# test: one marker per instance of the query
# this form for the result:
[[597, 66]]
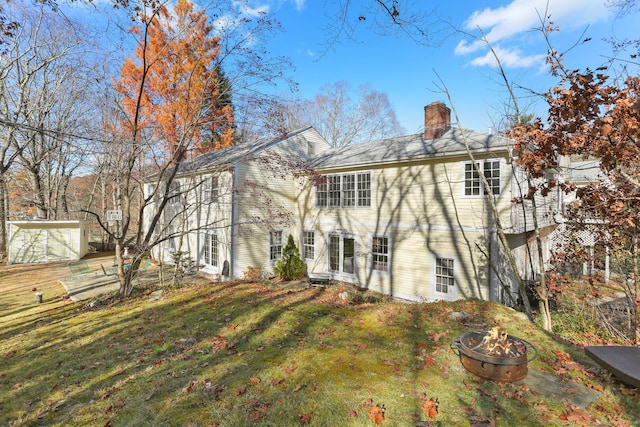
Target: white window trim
[[356, 204], [340, 274], [282, 245], [389, 257], [315, 249], [449, 296], [481, 162], [204, 249]]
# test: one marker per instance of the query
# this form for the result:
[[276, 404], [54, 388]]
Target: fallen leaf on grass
[[189, 387], [376, 413], [430, 407], [305, 418], [240, 390], [254, 380]]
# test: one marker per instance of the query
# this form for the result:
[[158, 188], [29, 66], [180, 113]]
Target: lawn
[[263, 354]]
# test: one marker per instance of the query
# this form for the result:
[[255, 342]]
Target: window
[[380, 253], [334, 190], [445, 280], [348, 191], [341, 253], [364, 189], [345, 190], [211, 249], [210, 189], [308, 244], [472, 183], [492, 174], [275, 245], [174, 192], [321, 192]]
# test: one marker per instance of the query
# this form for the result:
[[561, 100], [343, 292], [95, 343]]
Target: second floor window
[[210, 189], [473, 185], [347, 190]]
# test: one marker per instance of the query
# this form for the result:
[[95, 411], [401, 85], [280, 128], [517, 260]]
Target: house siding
[[422, 209]]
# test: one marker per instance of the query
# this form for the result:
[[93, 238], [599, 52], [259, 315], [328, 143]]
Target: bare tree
[[339, 118], [137, 143]]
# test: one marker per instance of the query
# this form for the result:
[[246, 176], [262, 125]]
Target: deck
[[621, 361]]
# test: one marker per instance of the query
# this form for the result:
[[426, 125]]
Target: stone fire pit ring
[[492, 367]]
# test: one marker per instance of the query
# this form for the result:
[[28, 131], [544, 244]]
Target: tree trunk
[[3, 216]]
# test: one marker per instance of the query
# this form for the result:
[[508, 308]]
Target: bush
[[253, 274], [290, 266]]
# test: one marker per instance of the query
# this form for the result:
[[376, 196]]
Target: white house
[[407, 216]]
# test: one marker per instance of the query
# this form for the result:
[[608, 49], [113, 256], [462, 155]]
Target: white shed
[[47, 241]]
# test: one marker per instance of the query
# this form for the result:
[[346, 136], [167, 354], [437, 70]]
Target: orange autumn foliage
[[183, 97]]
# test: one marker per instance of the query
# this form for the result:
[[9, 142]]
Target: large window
[[211, 249], [346, 190], [380, 253], [473, 185], [275, 245], [308, 244], [445, 279]]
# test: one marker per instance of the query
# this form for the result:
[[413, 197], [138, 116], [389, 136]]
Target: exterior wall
[[424, 213], [193, 214], [47, 241], [265, 202]]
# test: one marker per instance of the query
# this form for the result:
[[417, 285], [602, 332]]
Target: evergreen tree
[[290, 266]]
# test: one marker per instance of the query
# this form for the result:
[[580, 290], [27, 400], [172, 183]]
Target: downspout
[[233, 267]]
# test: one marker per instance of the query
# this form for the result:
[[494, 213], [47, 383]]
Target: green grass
[[244, 354]]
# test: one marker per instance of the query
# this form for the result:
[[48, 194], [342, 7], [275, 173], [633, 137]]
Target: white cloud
[[299, 4], [310, 53], [511, 58], [508, 24], [251, 12]]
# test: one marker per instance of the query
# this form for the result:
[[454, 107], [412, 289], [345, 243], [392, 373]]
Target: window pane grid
[[492, 174], [345, 190], [444, 275], [471, 180], [348, 191], [321, 193], [308, 244], [334, 191], [334, 253], [364, 189], [380, 253], [275, 245]]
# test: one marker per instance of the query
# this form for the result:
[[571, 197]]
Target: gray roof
[[229, 156], [410, 148], [587, 171]]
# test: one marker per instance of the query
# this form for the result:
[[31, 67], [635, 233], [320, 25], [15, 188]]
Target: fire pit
[[494, 355]]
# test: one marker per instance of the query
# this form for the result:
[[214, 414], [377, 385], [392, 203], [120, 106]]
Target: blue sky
[[412, 74], [407, 71]]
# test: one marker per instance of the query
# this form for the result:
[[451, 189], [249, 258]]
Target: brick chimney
[[437, 120]]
